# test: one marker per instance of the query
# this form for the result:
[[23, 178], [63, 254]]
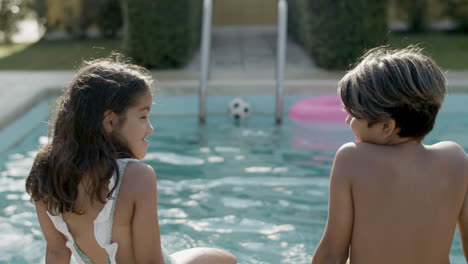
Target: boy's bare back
[[392, 198], [405, 199]]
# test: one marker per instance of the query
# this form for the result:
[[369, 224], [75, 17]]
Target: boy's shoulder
[[450, 151], [363, 159], [351, 154], [356, 152], [447, 146]]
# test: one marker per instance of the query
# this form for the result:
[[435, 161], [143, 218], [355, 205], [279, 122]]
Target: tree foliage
[[335, 35], [416, 11], [162, 33], [11, 12], [458, 11]]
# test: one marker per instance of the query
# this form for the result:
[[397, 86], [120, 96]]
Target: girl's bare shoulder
[[139, 178]]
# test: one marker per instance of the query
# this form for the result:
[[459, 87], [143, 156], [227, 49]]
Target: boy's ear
[[389, 127], [109, 121]]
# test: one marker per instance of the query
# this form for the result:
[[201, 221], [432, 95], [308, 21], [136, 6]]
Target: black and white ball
[[239, 109]]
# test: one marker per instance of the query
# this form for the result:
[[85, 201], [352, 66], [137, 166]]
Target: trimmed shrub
[[458, 11], [298, 21], [11, 12], [341, 33], [161, 33], [336, 35], [109, 18], [416, 10]]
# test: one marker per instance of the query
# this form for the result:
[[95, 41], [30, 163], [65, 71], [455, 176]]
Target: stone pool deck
[[20, 90], [242, 62]]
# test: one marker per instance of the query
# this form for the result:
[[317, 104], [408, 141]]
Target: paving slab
[[20, 90], [246, 48]]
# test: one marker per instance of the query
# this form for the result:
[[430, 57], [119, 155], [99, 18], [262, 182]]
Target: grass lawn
[[450, 51], [8, 49], [54, 55]]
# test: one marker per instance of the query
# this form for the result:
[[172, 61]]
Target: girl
[[94, 199]]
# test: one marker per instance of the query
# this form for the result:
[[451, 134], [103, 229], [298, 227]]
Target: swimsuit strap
[[83, 256]]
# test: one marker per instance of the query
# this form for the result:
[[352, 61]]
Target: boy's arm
[[56, 249], [334, 246], [463, 217], [463, 226]]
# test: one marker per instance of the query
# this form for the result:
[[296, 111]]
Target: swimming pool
[[255, 189]]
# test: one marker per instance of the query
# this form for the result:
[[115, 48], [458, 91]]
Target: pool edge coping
[[47, 83]]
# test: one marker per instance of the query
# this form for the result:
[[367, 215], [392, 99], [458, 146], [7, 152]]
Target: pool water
[[255, 189]]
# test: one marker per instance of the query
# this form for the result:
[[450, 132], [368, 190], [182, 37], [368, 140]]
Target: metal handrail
[[205, 56], [281, 57]]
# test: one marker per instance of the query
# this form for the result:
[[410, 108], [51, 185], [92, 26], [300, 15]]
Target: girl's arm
[[334, 246], [145, 223], [56, 250]]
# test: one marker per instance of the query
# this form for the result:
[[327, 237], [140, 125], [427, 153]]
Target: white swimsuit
[[102, 225]]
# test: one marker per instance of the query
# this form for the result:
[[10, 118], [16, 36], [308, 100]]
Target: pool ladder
[[280, 57]]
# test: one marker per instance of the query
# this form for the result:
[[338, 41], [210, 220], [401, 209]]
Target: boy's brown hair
[[403, 84]]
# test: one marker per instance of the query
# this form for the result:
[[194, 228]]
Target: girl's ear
[[109, 121], [389, 127]]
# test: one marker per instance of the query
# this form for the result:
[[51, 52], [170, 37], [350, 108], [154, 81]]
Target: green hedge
[[9, 19], [109, 18], [161, 34], [417, 13], [458, 11], [298, 21], [335, 35]]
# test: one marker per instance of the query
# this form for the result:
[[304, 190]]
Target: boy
[[392, 198]]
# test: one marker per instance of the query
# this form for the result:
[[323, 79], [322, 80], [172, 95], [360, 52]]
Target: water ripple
[[202, 184], [174, 159]]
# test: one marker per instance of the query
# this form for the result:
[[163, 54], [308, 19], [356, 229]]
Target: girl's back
[[81, 226]]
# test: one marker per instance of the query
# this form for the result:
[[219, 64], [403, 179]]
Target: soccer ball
[[239, 109]]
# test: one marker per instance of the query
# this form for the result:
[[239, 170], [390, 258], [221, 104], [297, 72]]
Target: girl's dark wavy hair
[[79, 145]]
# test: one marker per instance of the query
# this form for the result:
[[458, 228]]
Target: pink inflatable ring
[[326, 108]]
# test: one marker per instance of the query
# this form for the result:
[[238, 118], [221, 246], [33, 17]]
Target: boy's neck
[[394, 141]]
